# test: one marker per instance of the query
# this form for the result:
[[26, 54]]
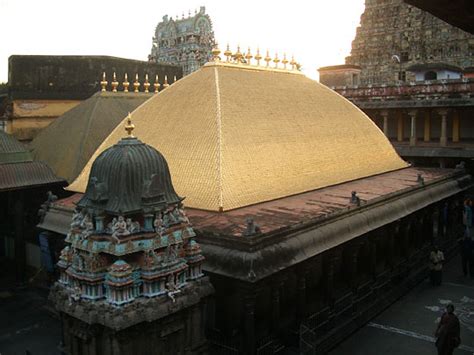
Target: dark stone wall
[[76, 77], [459, 13]]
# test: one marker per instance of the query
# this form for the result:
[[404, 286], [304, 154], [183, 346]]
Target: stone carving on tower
[[394, 36], [131, 255], [186, 42]]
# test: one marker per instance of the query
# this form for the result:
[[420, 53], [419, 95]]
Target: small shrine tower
[[185, 41], [131, 280]]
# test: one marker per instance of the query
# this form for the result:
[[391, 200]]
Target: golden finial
[[165, 83], [103, 82], [276, 60], [238, 55], [248, 56], [267, 59], [293, 62], [258, 57], [129, 126], [136, 84], [146, 84], [156, 85], [215, 53], [228, 53], [114, 84], [284, 61], [125, 83]]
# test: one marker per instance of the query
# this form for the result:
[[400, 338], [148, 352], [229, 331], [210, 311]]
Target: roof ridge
[[88, 127], [219, 137]]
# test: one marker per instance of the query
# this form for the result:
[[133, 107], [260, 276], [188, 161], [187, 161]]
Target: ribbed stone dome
[[129, 177]]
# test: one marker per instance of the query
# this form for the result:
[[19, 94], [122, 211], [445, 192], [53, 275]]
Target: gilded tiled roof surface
[[235, 137], [67, 144]]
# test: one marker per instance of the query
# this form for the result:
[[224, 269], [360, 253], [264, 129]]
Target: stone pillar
[[412, 115], [249, 321], [19, 221], [373, 255], [353, 261], [427, 131], [384, 115], [399, 126], [443, 140], [276, 286], [330, 261], [301, 287], [456, 126]]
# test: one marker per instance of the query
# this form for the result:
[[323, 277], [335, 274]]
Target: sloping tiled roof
[[17, 170], [11, 150], [238, 135], [26, 174], [67, 144]]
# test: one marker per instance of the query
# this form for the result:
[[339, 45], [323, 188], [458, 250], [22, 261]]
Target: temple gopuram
[[186, 42], [131, 272], [394, 36], [309, 221], [411, 73]]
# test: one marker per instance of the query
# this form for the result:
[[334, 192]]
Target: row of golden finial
[[136, 84], [247, 57]]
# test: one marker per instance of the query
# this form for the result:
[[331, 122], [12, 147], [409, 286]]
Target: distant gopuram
[[131, 278], [393, 36], [187, 42]]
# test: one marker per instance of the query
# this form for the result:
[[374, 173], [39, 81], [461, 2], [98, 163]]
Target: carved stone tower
[[394, 36], [186, 42], [131, 280]]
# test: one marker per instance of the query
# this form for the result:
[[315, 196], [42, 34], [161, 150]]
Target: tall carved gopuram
[[131, 280], [186, 42], [394, 36]]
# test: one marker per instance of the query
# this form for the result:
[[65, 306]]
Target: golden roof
[[235, 135], [67, 144]]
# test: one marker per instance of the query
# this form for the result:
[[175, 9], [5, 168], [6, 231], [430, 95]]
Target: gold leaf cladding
[[235, 136]]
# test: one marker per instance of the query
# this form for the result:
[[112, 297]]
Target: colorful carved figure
[[120, 228]]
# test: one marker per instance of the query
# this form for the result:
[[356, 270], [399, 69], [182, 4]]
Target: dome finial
[[248, 56], [103, 83], [125, 83], [114, 83], [238, 56], [228, 53], [267, 59], [136, 84], [129, 126], [293, 62], [276, 60], [146, 84], [284, 61], [215, 53], [258, 57], [156, 85]]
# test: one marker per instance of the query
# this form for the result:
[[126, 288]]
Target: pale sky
[[317, 32]]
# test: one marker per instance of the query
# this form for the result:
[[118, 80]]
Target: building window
[[355, 79], [402, 76], [431, 75]]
